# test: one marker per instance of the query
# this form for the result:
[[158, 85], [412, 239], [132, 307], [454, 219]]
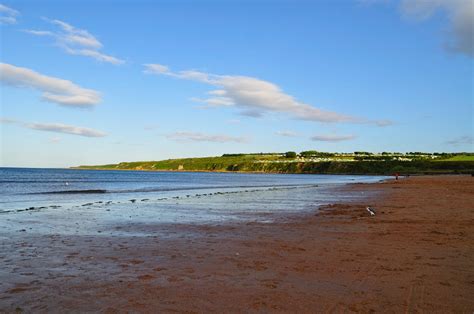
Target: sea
[[70, 200]]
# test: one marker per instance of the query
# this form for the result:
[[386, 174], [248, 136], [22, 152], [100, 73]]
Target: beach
[[415, 255]]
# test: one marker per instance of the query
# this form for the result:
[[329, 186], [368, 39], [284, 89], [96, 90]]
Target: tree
[[290, 155], [308, 153]]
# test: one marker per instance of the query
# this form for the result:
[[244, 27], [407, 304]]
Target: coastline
[[416, 254], [239, 171], [405, 173], [255, 163]]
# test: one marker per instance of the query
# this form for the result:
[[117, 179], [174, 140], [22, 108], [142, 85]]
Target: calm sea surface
[[63, 196]]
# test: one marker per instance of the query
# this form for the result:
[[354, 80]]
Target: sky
[[97, 82]]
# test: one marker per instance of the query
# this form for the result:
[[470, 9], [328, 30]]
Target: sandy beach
[[415, 255]]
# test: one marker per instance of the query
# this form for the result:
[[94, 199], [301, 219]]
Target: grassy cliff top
[[328, 163]]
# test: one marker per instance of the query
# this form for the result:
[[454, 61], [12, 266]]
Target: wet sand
[[415, 255]]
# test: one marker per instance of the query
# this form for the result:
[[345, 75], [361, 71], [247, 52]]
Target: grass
[[460, 158]]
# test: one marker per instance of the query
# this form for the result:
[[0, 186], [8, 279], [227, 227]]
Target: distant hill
[[320, 163]]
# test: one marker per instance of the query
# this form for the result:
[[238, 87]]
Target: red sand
[[415, 255]]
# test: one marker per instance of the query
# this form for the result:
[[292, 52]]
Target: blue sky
[[93, 82]]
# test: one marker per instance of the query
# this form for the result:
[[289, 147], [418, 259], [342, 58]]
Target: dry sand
[[415, 255]]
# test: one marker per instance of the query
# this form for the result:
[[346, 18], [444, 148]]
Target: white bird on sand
[[371, 211]]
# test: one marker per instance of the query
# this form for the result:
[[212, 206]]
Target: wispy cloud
[[200, 137], [56, 127], [7, 121], [382, 123], [286, 133], [461, 18], [76, 41], [59, 91], [94, 54], [64, 128], [332, 138], [466, 139], [254, 96], [8, 15]]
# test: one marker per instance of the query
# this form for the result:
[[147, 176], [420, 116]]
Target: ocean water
[[80, 201]]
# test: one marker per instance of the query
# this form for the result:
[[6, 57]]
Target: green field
[[460, 158]]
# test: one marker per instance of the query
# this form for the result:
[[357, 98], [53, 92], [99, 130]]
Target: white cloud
[[461, 17], [156, 69], [62, 92], [76, 36], [56, 127], [332, 138], [200, 137], [287, 133], [217, 92], [76, 41], [8, 15], [94, 54], [64, 128], [254, 96], [214, 101], [39, 33]]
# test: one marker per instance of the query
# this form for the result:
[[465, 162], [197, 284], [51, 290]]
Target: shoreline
[[226, 171], [390, 174], [74, 196], [416, 254]]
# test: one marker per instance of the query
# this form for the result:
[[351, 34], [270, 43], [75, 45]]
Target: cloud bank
[[59, 91], [8, 15], [76, 41], [254, 96], [200, 137], [332, 138], [461, 18], [56, 127]]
